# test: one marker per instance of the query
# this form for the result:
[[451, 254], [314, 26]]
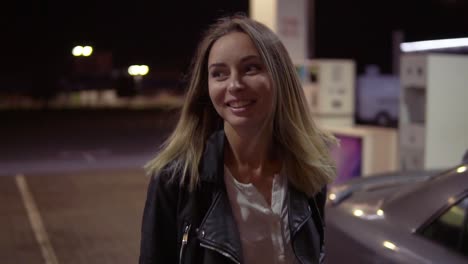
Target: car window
[[451, 228]]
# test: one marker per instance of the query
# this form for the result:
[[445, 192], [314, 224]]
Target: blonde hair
[[304, 148]]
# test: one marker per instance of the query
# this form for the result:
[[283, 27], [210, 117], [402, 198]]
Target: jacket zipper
[[220, 251], [185, 237]]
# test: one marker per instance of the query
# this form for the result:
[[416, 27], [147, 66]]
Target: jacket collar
[[212, 170], [212, 163]]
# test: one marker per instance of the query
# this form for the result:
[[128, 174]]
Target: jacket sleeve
[[159, 225]]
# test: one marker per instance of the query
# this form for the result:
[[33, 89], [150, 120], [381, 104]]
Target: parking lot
[[81, 217], [72, 184]]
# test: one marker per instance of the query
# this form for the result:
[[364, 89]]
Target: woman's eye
[[253, 68], [217, 74]]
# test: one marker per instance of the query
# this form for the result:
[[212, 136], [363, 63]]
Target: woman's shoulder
[[165, 188], [168, 177]]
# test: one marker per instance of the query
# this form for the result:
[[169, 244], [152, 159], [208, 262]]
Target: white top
[[264, 229]]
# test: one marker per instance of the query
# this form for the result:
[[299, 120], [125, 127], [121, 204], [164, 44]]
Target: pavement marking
[[36, 221]]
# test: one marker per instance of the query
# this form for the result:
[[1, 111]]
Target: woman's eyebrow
[[246, 58], [249, 57], [218, 64]]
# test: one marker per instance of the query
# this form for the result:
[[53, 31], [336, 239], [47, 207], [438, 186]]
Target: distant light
[[358, 213], [451, 200], [389, 245], [77, 51], [380, 212], [332, 196], [138, 70], [461, 169], [434, 44], [87, 51], [133, 70], [144, 69], [82, 51]]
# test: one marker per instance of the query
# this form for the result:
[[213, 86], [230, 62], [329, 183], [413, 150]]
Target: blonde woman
[[240, 179]]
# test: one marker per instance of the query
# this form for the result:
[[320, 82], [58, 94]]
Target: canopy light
[[434, 44], [461, 169], [358, 213], [390, 245]]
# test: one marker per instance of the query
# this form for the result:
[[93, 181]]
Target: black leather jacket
[[199, 227]]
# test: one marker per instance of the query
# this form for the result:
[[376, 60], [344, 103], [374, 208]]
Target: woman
[[239, 179]]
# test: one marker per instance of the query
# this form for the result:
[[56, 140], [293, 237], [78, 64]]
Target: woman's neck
[[249, 151]]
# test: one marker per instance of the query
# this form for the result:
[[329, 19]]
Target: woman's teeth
[[239, 104]]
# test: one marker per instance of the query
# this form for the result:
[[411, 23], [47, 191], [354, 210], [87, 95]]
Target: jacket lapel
[[304, 234], [218, 229], [299, 210]]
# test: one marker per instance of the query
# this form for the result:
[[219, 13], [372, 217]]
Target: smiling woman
[[241, 177]]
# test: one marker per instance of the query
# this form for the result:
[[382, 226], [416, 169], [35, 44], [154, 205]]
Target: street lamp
[[82, 51], [137, 72]]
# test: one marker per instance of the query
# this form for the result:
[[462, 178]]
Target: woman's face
[[239, 85]]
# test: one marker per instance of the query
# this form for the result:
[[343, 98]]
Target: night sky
[[39, 35], [362, 30]]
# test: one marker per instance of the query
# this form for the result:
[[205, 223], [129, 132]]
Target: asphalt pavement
[[57, 140], [72, 187]]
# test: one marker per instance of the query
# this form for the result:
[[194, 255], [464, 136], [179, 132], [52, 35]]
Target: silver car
[[411, 217]]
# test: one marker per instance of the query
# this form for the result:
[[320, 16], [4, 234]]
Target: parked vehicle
[[377, 98], [407, 217]]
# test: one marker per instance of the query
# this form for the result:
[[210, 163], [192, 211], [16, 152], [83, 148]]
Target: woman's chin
[[244, 123]]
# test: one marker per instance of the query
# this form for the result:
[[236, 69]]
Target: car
[[404, 217]]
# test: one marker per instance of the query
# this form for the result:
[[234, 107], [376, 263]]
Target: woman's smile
[[240, 106]]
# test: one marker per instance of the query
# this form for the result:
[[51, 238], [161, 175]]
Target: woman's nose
[[235, 84]]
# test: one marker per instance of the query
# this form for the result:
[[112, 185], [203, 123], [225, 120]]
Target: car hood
[[379, 216], [366, 197]]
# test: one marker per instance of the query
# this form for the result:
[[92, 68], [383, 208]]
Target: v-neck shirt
[[264, 228]]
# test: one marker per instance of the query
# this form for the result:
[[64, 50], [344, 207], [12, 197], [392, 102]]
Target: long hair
[[303, 147]]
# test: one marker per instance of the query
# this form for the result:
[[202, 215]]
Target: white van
[[377, 98]]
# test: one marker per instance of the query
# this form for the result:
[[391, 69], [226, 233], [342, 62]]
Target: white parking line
[[36, 221]]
